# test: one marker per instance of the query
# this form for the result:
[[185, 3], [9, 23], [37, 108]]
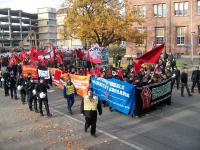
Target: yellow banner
[[81, 83]]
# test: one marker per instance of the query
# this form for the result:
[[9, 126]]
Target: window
[[140, 10], [181, 9], [140, 41], [180, 35], [199, 34], [198, 7], [160, 35], [160, 10]]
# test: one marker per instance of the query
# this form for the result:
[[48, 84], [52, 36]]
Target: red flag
[[151, 56], [11, 62], [59, 59], [23, 55], [35, 53], [57, 75], [80, 54]]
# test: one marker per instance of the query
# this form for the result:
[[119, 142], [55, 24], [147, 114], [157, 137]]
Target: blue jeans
[[70, 103]]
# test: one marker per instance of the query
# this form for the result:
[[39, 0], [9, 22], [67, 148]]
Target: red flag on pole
[[151, 56]]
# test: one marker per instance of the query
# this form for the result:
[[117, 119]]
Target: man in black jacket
[[89, 107], [184, 82], [195, 79], [6, 77], [13, 88], [42, 94], [22, 90]]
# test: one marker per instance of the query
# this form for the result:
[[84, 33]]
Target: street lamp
[[192, 47]]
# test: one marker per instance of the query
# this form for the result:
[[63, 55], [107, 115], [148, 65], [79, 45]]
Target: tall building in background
[[47, 26], [17, 28], [62, 40], [176, 23]]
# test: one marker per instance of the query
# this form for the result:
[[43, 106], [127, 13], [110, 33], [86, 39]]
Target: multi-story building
[[47, 26], [15, 26], [63, 40], [174, 22]]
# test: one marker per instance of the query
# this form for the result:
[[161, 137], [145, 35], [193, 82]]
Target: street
[[175, 127]]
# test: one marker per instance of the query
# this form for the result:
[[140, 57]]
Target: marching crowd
[[35, 91]]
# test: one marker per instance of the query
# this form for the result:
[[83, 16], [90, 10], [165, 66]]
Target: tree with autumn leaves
[[101, 21]]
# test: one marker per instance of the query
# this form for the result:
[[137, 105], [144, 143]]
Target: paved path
[[175, 127]]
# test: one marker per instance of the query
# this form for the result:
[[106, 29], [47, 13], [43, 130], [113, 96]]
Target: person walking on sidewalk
[[69, 93], [195, 79], [184, 83], [89, 107]]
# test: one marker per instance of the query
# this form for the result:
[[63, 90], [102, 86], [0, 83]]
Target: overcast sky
[[29, 5]]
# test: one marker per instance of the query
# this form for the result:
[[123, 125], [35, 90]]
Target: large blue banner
[[120, 95]]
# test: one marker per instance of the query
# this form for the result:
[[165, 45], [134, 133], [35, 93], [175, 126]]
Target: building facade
[[47, 26], [62, 40], [173, 22], [15, 26]]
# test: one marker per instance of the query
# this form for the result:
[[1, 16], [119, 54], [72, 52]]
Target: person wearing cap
[[89, 107], [41, 90], [69, 93], [195, 79]]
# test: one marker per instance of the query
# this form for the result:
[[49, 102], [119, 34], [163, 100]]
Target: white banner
[[44, 73]]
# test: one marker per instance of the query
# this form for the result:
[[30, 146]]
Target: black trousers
[[91, 121], [194, 84], [6, 90], [182, 88], [45, 101], [13, 92]]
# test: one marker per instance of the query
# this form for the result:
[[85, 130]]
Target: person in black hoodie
[[184, 82], [31, 95], [42, 95]]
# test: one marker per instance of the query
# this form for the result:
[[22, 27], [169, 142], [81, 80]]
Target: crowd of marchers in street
[[34, 92]]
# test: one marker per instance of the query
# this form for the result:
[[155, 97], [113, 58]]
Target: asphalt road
[[175, 127]]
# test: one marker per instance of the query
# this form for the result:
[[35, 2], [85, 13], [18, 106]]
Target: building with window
[[47, 26], [16, 26], [176, 23], [62, 40]]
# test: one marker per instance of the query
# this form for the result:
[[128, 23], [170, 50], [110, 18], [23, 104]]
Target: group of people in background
[[32, 91]]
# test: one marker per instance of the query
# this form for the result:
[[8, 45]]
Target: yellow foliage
[[101, 21]]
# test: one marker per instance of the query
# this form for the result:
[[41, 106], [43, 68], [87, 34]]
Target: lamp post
[[192, 47]]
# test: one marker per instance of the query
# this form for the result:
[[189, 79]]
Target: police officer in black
[[6, 77], [184, 82], [195, 79], [32, 95], [89, 107], [42, 96], [22, 88], [13, 85]]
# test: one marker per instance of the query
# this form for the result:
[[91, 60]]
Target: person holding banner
[[69, 93], [89, 107], [41, 90]]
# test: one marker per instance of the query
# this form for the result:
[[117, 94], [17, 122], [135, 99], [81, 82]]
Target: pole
[[192, 48]]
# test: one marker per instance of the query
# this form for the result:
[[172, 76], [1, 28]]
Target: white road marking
[[50, 91], [101, 131]]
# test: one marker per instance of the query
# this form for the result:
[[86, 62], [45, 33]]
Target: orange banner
[[81, 83], [26, 69]]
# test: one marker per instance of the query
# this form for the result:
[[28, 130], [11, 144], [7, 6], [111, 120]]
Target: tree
[[101, 21]]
